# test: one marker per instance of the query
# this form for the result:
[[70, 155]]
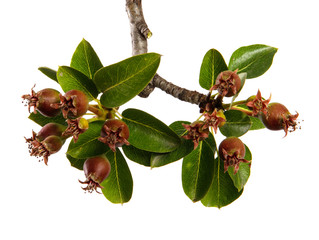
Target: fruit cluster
[[274, 116], [73, 105], [102, 137]]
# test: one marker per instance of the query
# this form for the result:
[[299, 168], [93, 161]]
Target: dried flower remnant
[[75, 128], [196, 131], [114, 133], [73, 104], [227, 83], [257, 104], [45, 148], [214, 119], [232, 152]]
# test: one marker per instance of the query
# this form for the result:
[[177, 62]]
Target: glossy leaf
[[186, 147], [75, 162], [213, 64], [137, 155], [237, 124], [148, 133], [50, 73], [222, 190], [256, 123], [255, 60], [88, 144], [70, 78], [122, 81], [85, 59], [118, 186], [43, 120], [241, 177], [198, 169]]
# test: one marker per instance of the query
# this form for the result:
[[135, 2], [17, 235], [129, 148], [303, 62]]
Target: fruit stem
[[96, 111], [225, 106], [246, 111]]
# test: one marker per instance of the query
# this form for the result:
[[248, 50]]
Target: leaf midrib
[[76, 148], [127, 79]]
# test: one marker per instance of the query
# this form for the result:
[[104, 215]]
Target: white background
[[280, 200]]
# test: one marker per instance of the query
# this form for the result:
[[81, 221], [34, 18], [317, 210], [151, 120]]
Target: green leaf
[[88, 144], [222, 190], [186, 147], [122, 81], [198, 169], [49, 73], [255, 60], [256, 123], [241, 177], [237, 124], [213, 64], [118, 186], [137, 155], [70, 78], [148, 133], [85, 59], [43, 120], [75, 162]]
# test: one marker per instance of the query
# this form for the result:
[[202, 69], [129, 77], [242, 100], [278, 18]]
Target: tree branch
[[139, 34], [178, 92]]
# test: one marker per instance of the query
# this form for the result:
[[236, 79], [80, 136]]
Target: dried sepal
[[232, 160], [75, 128], [258, 104], [114, 133], [214, 119], [43, 149], [196, 132], [227, 83], [73, 104]]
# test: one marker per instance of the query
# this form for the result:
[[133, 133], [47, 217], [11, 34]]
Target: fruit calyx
[[227, 83], [75, 128], [73, 104], [214, 119], [257, 104], [232, 152], [45, 148], [196, 131], [114, 133]]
